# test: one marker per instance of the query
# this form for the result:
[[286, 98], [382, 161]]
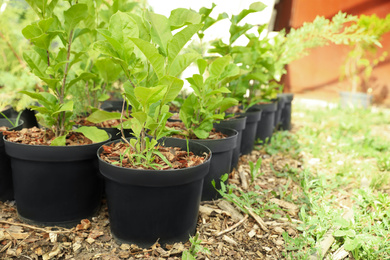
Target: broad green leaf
[[181, 63], [99, 116], [197, 84], [181, 16], [202, 65], [254, 7], [140, 116], [68, 106], [236, 31], [142, 27], [219, 91], [32, 31], [42, 41], [174, 86], [160, 30], [201, 133], [78, 32], [148, 96], [121, 27], [59, 141], [351, 244], [105, 48], [108, 70], [227, 103], [218, 66], [36, 63], [83, 76], [45, 24], [74, 15], [179, 40], [93, 133], [151, 53], [187, 109], [43, 98]]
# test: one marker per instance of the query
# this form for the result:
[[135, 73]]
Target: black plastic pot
[[237, 123], [278, 113], [7, 112], [28, 117], [249, 133], [286, 112], [222, 150], [55, 185], [6, 187], [265, 127], [112, 105], [149, 205]]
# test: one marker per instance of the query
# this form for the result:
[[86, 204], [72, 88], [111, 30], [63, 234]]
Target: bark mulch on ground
[[227, 231]]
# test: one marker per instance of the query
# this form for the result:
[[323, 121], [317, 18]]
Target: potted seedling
[[55, 167], [361, 61], [161, 178], [202, 108]]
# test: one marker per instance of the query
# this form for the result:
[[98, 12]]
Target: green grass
[[346, 165]]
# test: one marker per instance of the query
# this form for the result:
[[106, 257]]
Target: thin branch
[[232, 227], [13, 50], [36, 228]]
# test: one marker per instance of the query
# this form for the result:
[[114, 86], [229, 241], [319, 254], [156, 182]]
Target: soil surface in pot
[[106, 124], [180, 126], [3, 128], [91, 239], [38, 136], [177, 158]]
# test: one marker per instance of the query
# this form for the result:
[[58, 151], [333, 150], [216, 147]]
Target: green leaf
[[140, 116], [74, 15], [105, 48], [254, 7], [179, 40], [59, 141], [121, 27], [36, 63], [148, 96], [100, 116], [218, 66], [160, 30], [201, 133], [174, 86], [236, 31], [78, 32], [151, 53], [68, 106], [93, 133], [83, 76], [143, 29], [32, 31], [187, 256], [181, 16], [351, 244], [108, 70], [202, 65], [181, 63]]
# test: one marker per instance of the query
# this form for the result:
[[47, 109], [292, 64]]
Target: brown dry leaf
[[84, 225]]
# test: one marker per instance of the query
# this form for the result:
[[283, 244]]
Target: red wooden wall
[[319, 73]]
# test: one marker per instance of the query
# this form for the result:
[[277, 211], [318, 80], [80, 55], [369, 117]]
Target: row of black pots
[[59, 186], [6, 188], [143, 206]]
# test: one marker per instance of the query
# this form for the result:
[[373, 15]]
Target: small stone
[[124, 254], [76, 246]]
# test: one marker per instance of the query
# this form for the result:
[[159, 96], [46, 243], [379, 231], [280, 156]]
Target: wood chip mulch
[[226, 230], [38, 136]]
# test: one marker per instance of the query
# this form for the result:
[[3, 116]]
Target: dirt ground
[[224, 229]]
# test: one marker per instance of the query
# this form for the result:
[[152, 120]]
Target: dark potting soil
[[177, 158], [38, 136]]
